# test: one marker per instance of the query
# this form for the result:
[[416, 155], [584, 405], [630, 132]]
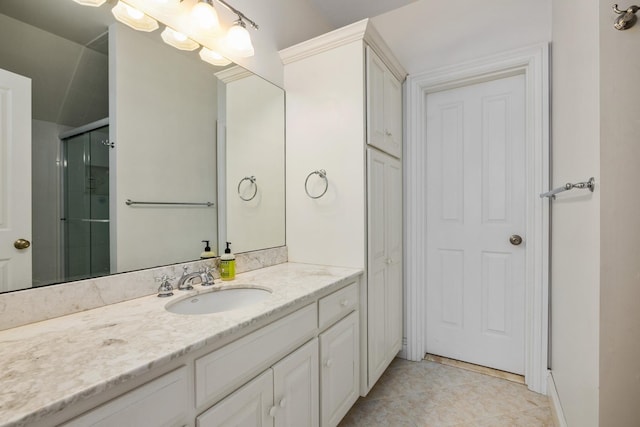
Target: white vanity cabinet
[[384, 106], [284, 395], [315, 385]]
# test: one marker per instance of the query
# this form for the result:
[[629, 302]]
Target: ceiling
[[64, 18], [339, 13], [83, 25]]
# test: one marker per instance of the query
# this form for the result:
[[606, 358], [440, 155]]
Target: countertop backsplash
[[38, 304]]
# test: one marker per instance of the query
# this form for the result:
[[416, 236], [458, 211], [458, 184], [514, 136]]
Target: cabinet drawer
[[220, 372], [337, 305], [161, 402]]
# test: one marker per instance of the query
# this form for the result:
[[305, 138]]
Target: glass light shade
[[178, 40], [134, 18], [205, 17], [94, 3], [213, 58], [239, 40]]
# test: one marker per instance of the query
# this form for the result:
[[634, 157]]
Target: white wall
[[255, 147], [164, 151], [575, 237], [619, 223], [283, 23], [433, 33], [69, 81], [325, 130]]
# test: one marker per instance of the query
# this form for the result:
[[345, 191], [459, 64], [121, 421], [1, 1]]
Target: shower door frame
[[89, 127]]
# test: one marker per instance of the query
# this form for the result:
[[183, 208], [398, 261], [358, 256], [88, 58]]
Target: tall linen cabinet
[[344, 116]]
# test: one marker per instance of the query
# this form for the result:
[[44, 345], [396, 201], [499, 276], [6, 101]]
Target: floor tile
[[429, 394]]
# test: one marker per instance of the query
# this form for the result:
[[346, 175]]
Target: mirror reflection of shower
[[85, 185]]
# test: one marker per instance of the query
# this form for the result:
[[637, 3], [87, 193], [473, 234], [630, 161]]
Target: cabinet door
[[339, 370], [249, 406], [295, 388], [375, 100], [384, 107], [392, 114], [384, 269], [159, 403]]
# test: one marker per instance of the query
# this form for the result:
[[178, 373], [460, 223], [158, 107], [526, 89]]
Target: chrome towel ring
[[322, 174], [255, 187]]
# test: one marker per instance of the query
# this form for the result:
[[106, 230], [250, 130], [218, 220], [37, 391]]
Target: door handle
[[21, 244], [515, 240]]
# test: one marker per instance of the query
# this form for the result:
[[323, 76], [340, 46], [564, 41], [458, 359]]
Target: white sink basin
[[219, 301]]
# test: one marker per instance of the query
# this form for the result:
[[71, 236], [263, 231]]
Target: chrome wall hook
[[626, 18]]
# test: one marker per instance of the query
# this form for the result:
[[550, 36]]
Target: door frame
[[533, 63]]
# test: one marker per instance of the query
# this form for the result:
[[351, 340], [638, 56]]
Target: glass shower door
[[86, 230]]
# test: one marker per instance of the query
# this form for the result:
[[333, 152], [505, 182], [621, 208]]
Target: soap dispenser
[[207, 253], [227, 264]]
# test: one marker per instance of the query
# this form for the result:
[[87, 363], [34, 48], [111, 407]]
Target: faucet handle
[[206, 276], [165, 289]]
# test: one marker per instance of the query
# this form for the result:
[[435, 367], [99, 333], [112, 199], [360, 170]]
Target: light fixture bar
[[237, 12]]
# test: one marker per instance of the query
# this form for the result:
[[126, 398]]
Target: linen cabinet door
[[295, 388], [384, 262], [339, 370], [384, 106], [377, 271], [249, 406], [375, 100], [392, 114], [393, 231]]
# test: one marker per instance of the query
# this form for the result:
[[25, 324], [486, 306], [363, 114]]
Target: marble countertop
[[46, 366]]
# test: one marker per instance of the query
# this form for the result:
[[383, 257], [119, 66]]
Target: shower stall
[[85, 220]]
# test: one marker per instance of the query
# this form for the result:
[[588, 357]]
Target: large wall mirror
[[137, 151]]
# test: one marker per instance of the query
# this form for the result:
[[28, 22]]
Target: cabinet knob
[[386, 132], [389, 261], [283, 402], [344, 302], [272, 411], [328, 363]]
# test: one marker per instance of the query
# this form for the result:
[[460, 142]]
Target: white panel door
[[15, 180], [476, 176], [296, 387]]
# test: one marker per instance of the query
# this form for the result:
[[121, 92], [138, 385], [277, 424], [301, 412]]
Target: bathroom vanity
[[289, 360]]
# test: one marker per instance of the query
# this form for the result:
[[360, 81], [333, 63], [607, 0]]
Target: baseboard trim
[[554, 400], [403, 350]]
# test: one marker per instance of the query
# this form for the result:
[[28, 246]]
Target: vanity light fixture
[[178, 40], [94, 3], [238, 39], [189, 25], [213, 57], [205, 16], [134, 18]]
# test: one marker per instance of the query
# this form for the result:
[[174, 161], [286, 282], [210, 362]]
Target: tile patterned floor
[[428, 394]]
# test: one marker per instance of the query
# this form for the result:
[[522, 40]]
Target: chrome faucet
[[184, 284]]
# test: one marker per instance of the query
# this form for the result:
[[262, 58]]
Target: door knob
[[515, 240], [21, 244]]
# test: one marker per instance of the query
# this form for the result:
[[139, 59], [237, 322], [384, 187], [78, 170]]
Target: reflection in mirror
[[115, 115], [254, 160]]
